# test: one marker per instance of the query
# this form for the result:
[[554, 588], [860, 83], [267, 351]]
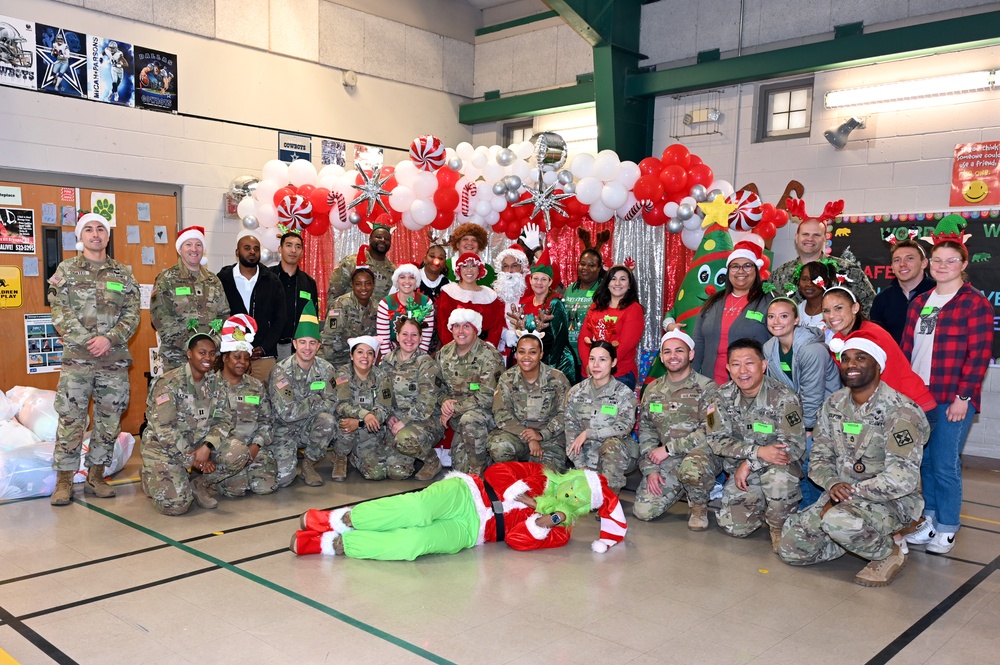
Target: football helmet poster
[[17, 53]]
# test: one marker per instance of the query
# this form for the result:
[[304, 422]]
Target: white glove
[[531, 236]]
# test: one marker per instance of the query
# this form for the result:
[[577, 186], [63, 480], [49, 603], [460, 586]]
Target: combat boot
[[775, 538], [880, 573], [431, 468], [339, 468], [63, 492], [309, 475], [96, 484], [698, 517], [203, 493]]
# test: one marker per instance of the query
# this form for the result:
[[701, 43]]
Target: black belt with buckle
[[497, 505]]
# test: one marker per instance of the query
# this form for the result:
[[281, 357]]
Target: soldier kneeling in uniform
[[867, 446]]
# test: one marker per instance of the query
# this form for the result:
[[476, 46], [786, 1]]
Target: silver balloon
[[513, 182], [506, 157], [266, 256], [675, 225], [250, 223], [684, 212], [243, 185], [710, 196], [698, 192], [565, 177], [512, 196], [354, 218], [569, 188], [550, 151], [455, 163], [500, 188]]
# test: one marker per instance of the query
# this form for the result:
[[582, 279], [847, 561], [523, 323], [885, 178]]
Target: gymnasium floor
[[111, 581]]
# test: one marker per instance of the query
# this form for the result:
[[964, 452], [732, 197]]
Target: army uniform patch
[[902, 439], [283, 383], [793, 418]]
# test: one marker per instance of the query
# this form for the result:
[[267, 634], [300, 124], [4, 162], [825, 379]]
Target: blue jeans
[[627, 379], [941, 468], [810, 490]]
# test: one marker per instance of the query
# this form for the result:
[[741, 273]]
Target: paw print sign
[[103, 205]]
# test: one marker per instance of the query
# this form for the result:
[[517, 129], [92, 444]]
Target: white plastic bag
[[38, 413], [119, 456], [7, 408], [14, 435]]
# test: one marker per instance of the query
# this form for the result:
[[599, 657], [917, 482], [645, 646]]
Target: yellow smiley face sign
[[976, 191]]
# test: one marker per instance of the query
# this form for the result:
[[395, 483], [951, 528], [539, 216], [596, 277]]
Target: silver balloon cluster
[[508, 187], [686, 215]]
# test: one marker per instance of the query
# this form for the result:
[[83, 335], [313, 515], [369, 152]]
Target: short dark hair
[[286, 235], [197, 337], [607, 346], [745, 343], [534, 337], [913, 244], [403, 320]]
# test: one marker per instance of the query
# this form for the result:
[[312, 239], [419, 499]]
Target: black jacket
[[293, 289], [890, 305], [266, 306]]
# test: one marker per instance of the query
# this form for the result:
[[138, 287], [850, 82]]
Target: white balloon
[[692, 223], [265, 191], [549, 177], [692, 238], [302, 172], [606, 165], [449, 154], [329, 170], [406, 173], [423, 212], [477, 219], [524, 150], [499, 204], [480, 160], [493, 150], [614, 195], [670, 209], [402, 198], [492, 173], [493, 217], [328, 181], [349, 178], [521, 170], [410, 223], [582, 166], [267, 215], [626, 207], [690, 200], [424, 185], [628, 173], [483, 208], [269, 239], [277, 171], [726, 188], [600, 212], [246, 206], [588, 190], [339, 225], [464, 150]]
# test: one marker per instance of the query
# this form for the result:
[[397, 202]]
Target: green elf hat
[[543, 264], [308, 323]]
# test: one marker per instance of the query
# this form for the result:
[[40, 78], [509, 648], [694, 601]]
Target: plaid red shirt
[[963, 344]]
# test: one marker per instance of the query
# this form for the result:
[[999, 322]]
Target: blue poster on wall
[[156, 79], [110, 71], [61, 58]]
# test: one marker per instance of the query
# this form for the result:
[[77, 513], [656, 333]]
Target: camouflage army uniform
[[183, 415], [608, 415], [251, 409], [346, 318], [369, 452], [517, 405], [859, 284], [416, 392], [875, 448], [90, 300], [672, 415], [340, 280], [736, 428], [178, 296], [470, 380], [303, 403]]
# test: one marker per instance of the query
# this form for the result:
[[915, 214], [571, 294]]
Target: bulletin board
[[132, 232]]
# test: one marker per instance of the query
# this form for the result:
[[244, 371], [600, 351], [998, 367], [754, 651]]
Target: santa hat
[[746, 249], [609, 509], [463, 315], [237, 333], [862, 340], [474, 258], [361, 263], [82, 222], [678, 334], [514, 251], [369, 340], [383, 221], [191, 233], [308, 322], [543, 264], [406, 269]]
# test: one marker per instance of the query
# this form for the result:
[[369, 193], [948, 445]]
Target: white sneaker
[[941, 543], [923, 534]]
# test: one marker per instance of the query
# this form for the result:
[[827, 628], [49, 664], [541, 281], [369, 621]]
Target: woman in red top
[[843, 316], [467, 294], [616, 317]]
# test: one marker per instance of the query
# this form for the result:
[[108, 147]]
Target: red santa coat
[[484, 301]]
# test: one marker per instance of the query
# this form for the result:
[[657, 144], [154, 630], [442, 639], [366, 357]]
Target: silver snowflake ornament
[[371, 190], [545, 201]]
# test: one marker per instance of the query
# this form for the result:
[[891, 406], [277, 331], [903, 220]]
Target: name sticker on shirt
[[590, 294], [609, 410], [785, 367], [182, 291], [317, 385], [473, 386], [852, 428], [305, 295], [656, 407], [763, 428], [756, 316], [115, 286], [929, 309], [252, 399]]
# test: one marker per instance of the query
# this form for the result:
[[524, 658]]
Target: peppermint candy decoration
[[427, 153], [748, 210], [295, 212]]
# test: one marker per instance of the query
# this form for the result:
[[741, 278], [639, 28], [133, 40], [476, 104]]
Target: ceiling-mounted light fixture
[[952, 84], [838, 137], [702, 115]]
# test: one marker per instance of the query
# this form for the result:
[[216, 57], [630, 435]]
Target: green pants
[[440, 519]]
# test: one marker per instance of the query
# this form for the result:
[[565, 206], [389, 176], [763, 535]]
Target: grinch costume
[[464, 511]]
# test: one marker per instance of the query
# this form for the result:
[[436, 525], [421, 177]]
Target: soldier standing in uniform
[[470, 369], [251, 409], [528, 410], [184, 293], [755, 424], [351, 315], [303, 400], [364, 399], [415, 418], [372, 255], [190, 425], [671, 425], [867, 447], [95, 308], [600, 415]]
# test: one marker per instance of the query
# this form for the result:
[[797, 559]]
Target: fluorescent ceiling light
[[915, 89]]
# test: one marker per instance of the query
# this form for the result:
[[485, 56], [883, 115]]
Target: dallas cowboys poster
[[110, 70], [17, 53], [155, 79], [61, 57]]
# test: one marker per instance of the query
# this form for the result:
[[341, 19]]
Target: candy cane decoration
[[469, 191], [644, 205], [337, 199]]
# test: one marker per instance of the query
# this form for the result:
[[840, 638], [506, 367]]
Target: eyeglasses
[[742, 267], [953, 261]]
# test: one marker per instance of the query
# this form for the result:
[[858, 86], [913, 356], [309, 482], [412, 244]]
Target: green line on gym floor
[[316, 605]]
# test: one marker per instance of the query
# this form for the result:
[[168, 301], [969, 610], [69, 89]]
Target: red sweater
[[624, 326]]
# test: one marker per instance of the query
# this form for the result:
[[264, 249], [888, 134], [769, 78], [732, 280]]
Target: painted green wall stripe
[[507, 25]]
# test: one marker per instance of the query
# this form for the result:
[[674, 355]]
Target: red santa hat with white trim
[[192, 233], [82, 222], [604, 500], [238, 333], [747, 249]]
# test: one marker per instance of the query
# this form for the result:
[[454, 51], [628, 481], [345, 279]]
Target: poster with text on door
[[17, 53], [17, 231], [975, 178]]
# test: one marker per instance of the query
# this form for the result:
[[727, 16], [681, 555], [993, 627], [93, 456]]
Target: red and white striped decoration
[[336, 199], [295, 212], [748, 210], [638, 207], [469, 191], [427, 153]]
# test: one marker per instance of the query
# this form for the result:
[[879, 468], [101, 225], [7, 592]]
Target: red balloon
[[655, 217], [648, 188], [320, 223], [387, 170], [780, 218], [700, 174], [447, 177], [306, 190], [318, 197], [695, 160], [395, 216], [506, 215], [765, 230], [499, 227], [767, 212], [676, 154], [650, 166], [674, 178], [513, 231], [446, 198], [281, 194], [444, 219]]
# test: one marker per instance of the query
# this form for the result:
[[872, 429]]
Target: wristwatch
[[555, 518], [963, 398]]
